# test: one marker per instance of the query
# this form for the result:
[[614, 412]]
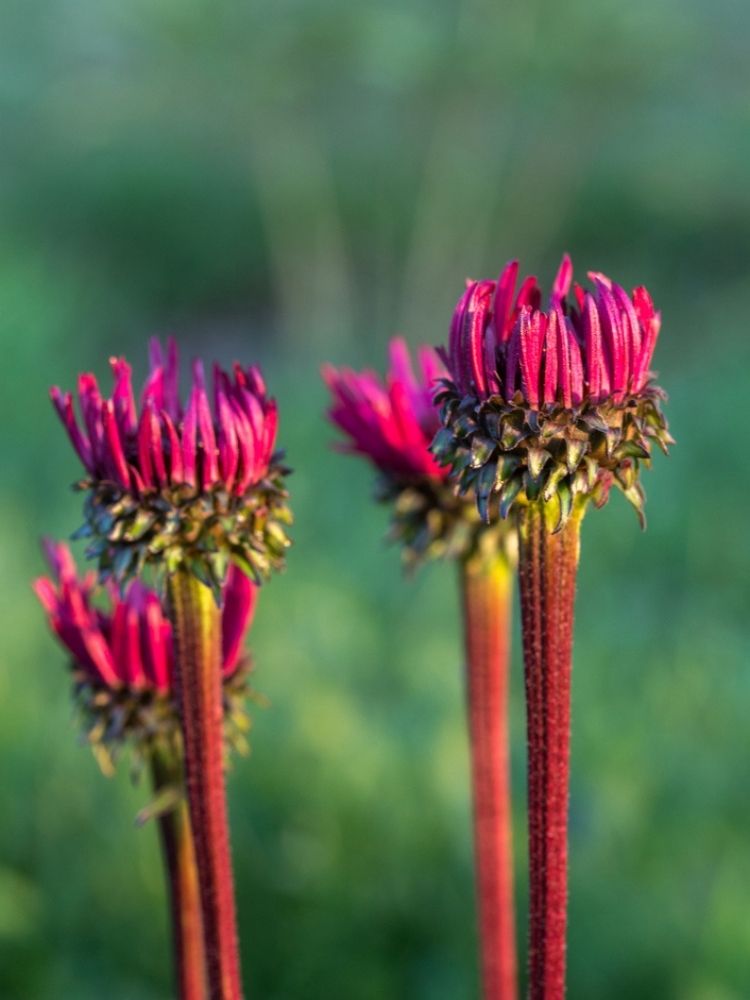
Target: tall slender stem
[[486, 585], [547, 568], [197, 629], [182, 876]]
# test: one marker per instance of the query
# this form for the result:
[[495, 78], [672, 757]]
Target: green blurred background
[[293, 182]]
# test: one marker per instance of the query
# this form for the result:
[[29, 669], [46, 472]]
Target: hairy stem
[[486, 585], [182, 875], [547, 568], [197, 630]]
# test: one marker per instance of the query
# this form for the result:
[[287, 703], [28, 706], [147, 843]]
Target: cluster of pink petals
[[391, 422], [227, 444], [130, 644], [597, 347]]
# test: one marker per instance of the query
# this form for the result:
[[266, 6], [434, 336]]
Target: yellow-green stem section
[[196, 620], [182, 880]]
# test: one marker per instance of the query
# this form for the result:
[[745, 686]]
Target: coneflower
[[187, 491], [122, 661], [392, 423], [543, 412]]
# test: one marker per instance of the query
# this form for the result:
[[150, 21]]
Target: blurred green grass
[[293, 183]]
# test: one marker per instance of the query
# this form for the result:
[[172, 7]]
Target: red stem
[[547, 570], [182, 876], [486, 591], [197, 629]]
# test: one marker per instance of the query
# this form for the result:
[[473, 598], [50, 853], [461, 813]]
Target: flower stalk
[[182, 874], [548, 561], [196, 620], [486, 587]]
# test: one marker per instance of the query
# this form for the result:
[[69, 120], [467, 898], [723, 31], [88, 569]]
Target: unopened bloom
[[556, 403], [392, 422], [196, 484], [122, 651]]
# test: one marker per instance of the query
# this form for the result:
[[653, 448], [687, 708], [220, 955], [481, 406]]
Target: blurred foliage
[[293, 182]]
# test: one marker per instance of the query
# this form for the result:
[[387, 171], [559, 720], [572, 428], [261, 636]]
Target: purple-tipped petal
[[122, 396], [552, 378], [532, 330], [502, 308], [240, 596], [562, 282], [116, 453], [592, 339], [63, 403], [190, 439]]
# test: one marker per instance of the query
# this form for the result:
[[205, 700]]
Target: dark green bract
[[431, 521], [509, 454], [178, 527], [146, 720]]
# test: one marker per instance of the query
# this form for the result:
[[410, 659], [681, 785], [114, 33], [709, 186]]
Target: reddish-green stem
[[547, 570], [182, 876], [197, 628], [486, 589]]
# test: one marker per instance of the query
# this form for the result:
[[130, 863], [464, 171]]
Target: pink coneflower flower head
[[163, 473], [121, 647], [596, 345], [391, 421], [553, 399]]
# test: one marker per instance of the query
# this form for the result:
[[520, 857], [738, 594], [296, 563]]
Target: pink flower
[[597, 347], [227, 442], [129, 644], [392, 423]]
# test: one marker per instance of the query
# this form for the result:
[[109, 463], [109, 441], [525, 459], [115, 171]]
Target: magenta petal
[[64, 406], [503, 303], [156, 640], [612, 342], [227, 439], [240, 596], [116, 453], [210, 464], [512, 357], [456, 348], [551, 367], [176, 467], [144, 450], [190, 439], [532, 330], [593, 347], [529, 294], [562, 282], [122, 396]]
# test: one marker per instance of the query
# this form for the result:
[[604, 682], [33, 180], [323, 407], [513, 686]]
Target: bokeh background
[[293, 182]]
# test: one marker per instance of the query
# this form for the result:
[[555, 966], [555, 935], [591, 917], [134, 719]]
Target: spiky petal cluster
[[391, 422], [597, 347], [122, 652], [129, 644], [550, 406], [229, 444], [168, 486]]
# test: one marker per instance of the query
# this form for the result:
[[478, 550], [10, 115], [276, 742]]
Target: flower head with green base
[[194, 486], [122, 656], [556, 404], [392, 422], [187, 491], [545, 410], [123, 668]]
